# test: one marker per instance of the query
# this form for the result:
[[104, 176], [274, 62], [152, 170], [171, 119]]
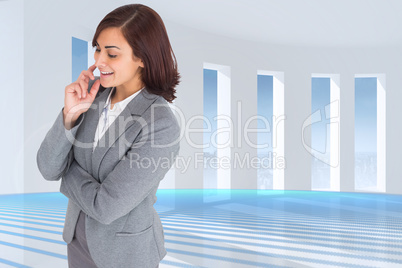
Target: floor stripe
[[288, 236], [33, 250], [34, 237], [305, 230], [13, 264]]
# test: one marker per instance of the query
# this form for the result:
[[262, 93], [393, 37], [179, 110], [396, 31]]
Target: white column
[[381, 130], [278, 128], [381, 133], [333, 114], [224, 135]]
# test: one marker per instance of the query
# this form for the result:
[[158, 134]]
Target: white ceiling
[[293, 22]]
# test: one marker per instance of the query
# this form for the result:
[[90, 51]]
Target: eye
[[111, 56]]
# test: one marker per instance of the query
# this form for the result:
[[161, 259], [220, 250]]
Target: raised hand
[[77, 100]]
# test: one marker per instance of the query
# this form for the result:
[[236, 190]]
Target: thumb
[[95, 88]]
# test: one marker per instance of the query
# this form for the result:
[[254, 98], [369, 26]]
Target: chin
[[105, 84]]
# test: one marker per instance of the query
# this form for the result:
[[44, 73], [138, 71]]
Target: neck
[[122, 92]]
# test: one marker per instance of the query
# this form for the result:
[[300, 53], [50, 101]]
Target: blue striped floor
[[228, 228]]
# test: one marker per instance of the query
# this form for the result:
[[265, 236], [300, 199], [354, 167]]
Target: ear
[[138, 60]]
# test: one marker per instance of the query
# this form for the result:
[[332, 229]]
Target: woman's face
[[114, 55]]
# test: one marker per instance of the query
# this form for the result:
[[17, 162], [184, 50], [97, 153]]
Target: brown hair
[[145, 32]]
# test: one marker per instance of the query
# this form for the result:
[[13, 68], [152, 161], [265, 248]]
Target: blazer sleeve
[[55, 154], [133, 178]]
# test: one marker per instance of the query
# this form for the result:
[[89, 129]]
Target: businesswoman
[[113, 142]]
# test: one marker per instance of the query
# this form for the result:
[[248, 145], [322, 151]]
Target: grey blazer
[[116, 184]]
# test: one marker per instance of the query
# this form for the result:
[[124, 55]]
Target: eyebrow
[[108, 46]]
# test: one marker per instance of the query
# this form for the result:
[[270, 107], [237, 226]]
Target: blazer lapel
[[90, 125], [125, 119]]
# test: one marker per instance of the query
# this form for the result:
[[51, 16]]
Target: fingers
[[75, 88], [81, 85], [88, 74], [83, 82], [81, 91], [92, 68], [90, 71], [95, 88]]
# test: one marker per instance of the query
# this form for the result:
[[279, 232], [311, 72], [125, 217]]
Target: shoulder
[[162, 112], [161, 108]]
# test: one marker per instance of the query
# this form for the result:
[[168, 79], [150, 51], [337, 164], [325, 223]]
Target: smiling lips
[[105, 74]]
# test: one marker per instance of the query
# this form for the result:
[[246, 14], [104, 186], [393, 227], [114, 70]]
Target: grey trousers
[[77, 251]]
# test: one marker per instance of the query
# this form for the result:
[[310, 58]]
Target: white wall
[[194, 47], [48, 28], [12, 96]]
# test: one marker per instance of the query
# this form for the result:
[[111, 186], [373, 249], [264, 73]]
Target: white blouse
[[108, 115]]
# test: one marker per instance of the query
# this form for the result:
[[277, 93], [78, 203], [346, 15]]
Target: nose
[[100, 62]]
